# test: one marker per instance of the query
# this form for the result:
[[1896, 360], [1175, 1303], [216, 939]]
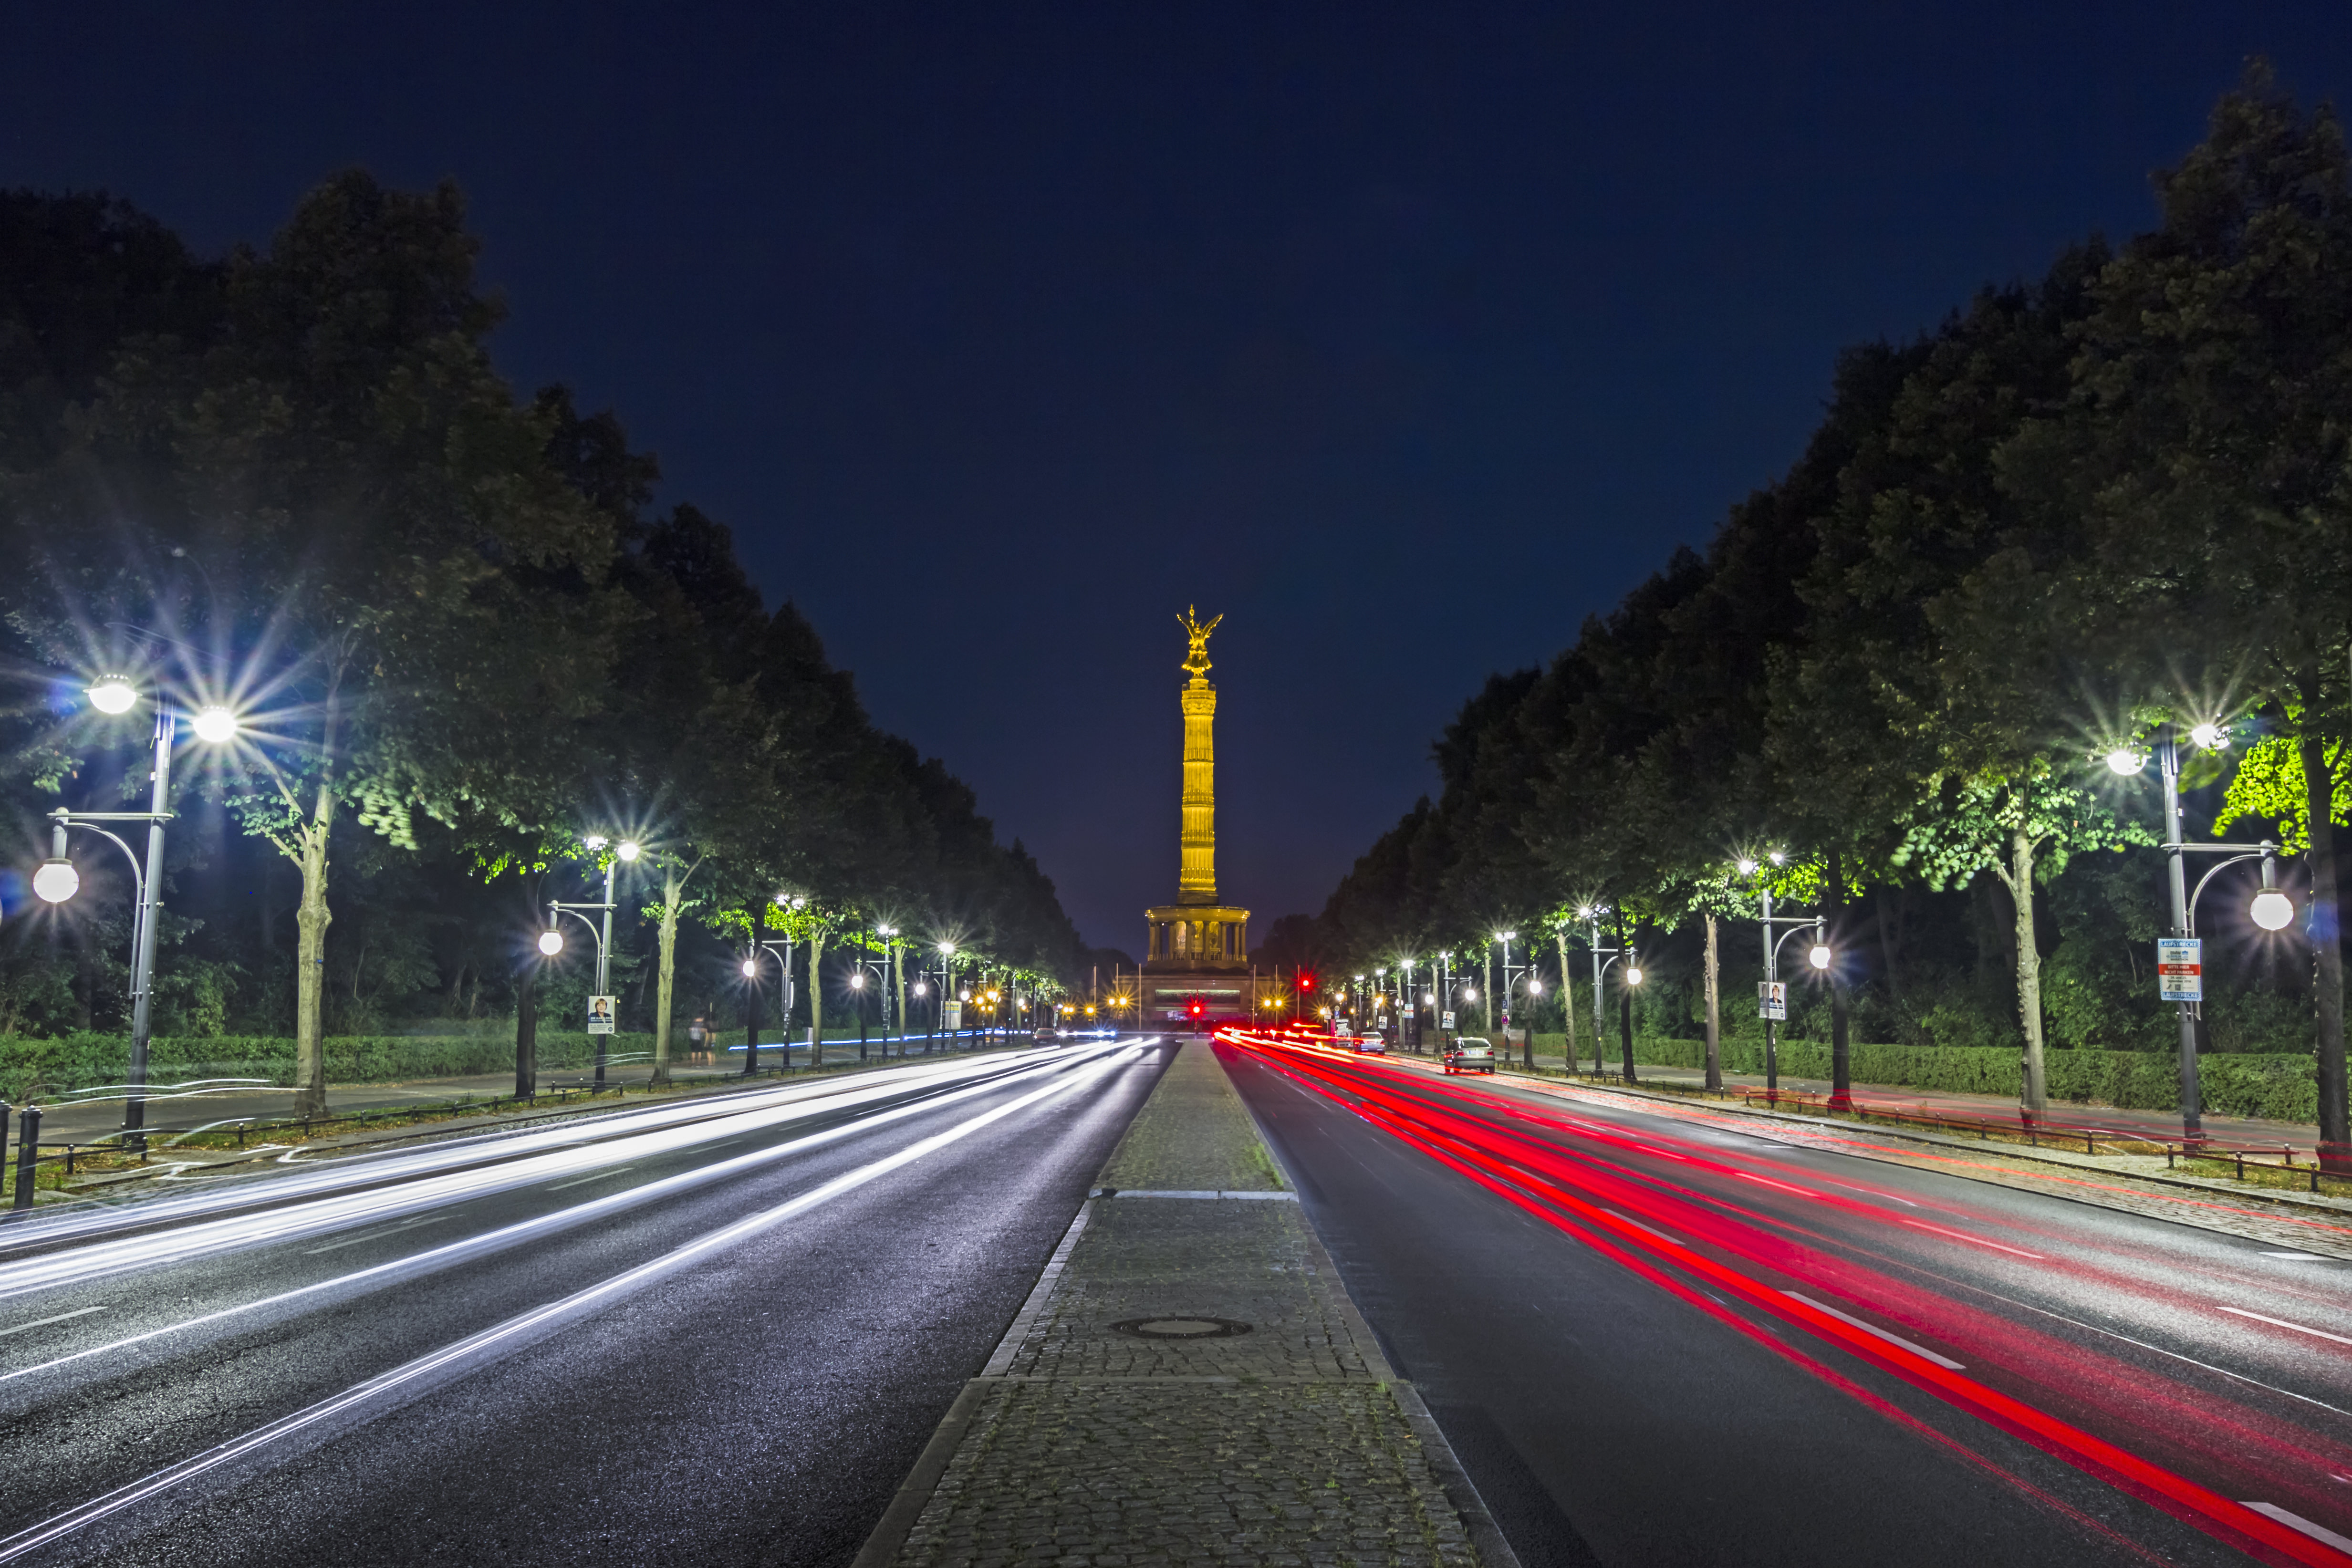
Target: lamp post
[[626, 849], [892, 980], [783, 956], [57, 880], [1604, 959], [2180, 973], [1770, 999], [1505, 939]]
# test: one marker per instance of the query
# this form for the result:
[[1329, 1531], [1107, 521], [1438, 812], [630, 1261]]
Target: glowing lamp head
[[2126, 761], [1429, 999], [2272, 910], [595, 840], [1820, 956], [1469, 993], [947, 949], [215, 724], [750, 968], [1534, 987], [2210, 737], [1634, 975], [112, 694], [1778, 858], [550, 943], [628, 849], [858, 982], [1746, 866], [56, 881], [920, 989], [963, 996]]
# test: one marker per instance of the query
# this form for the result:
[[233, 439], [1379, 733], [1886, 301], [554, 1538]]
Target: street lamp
[[628, 850], [1603, 958], [1772, 1000], [56, 880], [2180, 969]]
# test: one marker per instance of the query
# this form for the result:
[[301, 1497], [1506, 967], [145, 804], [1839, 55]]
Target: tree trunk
[[673, 897], [1841, 1051], [311, 919], [2326, 948], [1566, 1008], [1625, 1000], [526, 1029], [752, 1005], [1714, 1009], [816, 999], [2033, 1097]]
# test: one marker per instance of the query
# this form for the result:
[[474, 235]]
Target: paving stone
[[1284, 1445]]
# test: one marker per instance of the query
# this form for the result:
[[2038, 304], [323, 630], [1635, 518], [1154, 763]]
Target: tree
[[2208, 445], [413, 590]]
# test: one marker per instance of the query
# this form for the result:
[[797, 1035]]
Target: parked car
[[1470, 1055]]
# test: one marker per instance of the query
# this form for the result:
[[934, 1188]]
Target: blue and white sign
[[2180, 968]]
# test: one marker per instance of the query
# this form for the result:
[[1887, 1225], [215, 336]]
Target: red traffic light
[[1306, 981], [1198, 1009]]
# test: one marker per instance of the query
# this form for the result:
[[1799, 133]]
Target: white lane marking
[[578, 1214], [1979, 1240], [1669, 1240], [44, 1323], [2296, 1522], [584, 1181], [1848, 1318], [372, 1235], [2281, 1323], [1767, 1181], [1869, 1192], [474, 1347], [2300, 1256], [1662, 1153]]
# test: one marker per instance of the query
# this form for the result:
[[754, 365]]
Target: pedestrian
[[697, 1040]]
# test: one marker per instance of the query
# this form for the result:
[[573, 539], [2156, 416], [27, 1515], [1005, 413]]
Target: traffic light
[[1306, 980], [1199, 1006]]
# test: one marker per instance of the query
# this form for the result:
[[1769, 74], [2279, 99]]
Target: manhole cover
[[1180, 1328]]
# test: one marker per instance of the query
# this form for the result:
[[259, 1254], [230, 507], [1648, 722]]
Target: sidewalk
[[2228, 1130], [1188, 1383]]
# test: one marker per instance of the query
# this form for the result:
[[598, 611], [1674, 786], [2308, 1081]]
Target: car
[[1048, 1035], [1369, 1045], [1470, 1055]]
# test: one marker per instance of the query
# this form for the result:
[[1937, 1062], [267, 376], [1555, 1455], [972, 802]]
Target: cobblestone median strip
[[1293, 1442]]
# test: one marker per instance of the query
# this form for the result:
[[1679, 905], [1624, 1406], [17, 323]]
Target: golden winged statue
[[1196, 663]]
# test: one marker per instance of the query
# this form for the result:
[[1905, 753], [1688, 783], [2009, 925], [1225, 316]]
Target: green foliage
[[2269, 784], [47, 1069]]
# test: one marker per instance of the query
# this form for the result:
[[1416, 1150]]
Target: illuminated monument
[[1198, 948]]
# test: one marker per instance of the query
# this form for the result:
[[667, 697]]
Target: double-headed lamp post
[[1818, 955], [2272, 910], [626, 849], [1604, 959], [56, 880]]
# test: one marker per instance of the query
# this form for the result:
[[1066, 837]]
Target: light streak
[[1467, 1152], [491, 1241], [573, 1154], [514, 1330]]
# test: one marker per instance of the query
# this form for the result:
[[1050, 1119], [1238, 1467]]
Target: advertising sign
[[600, 1014], [1773, 999], [952, 1016], [1445, 1019], [2180, 968]]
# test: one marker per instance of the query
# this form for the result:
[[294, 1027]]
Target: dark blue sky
[[1402, 336]]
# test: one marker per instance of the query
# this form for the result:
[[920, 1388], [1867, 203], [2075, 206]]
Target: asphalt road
[[1654, 1338], [672, 1333]]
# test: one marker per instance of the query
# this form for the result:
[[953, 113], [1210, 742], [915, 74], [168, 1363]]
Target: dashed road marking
[[2281, 1323], [1947, 1362], [44, 1323]]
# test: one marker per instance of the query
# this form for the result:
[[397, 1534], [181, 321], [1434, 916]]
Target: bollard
[[28, 1154]]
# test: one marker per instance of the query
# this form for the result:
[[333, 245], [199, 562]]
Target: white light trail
[[382, 1274], [515, 1329]]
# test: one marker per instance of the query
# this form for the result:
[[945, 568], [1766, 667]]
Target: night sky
[[1404, 337]]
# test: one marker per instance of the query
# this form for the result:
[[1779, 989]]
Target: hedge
[[44, 1068], [2280, 1088]]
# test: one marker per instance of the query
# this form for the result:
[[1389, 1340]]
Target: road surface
[[706, 1332], [1655, 1337]]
